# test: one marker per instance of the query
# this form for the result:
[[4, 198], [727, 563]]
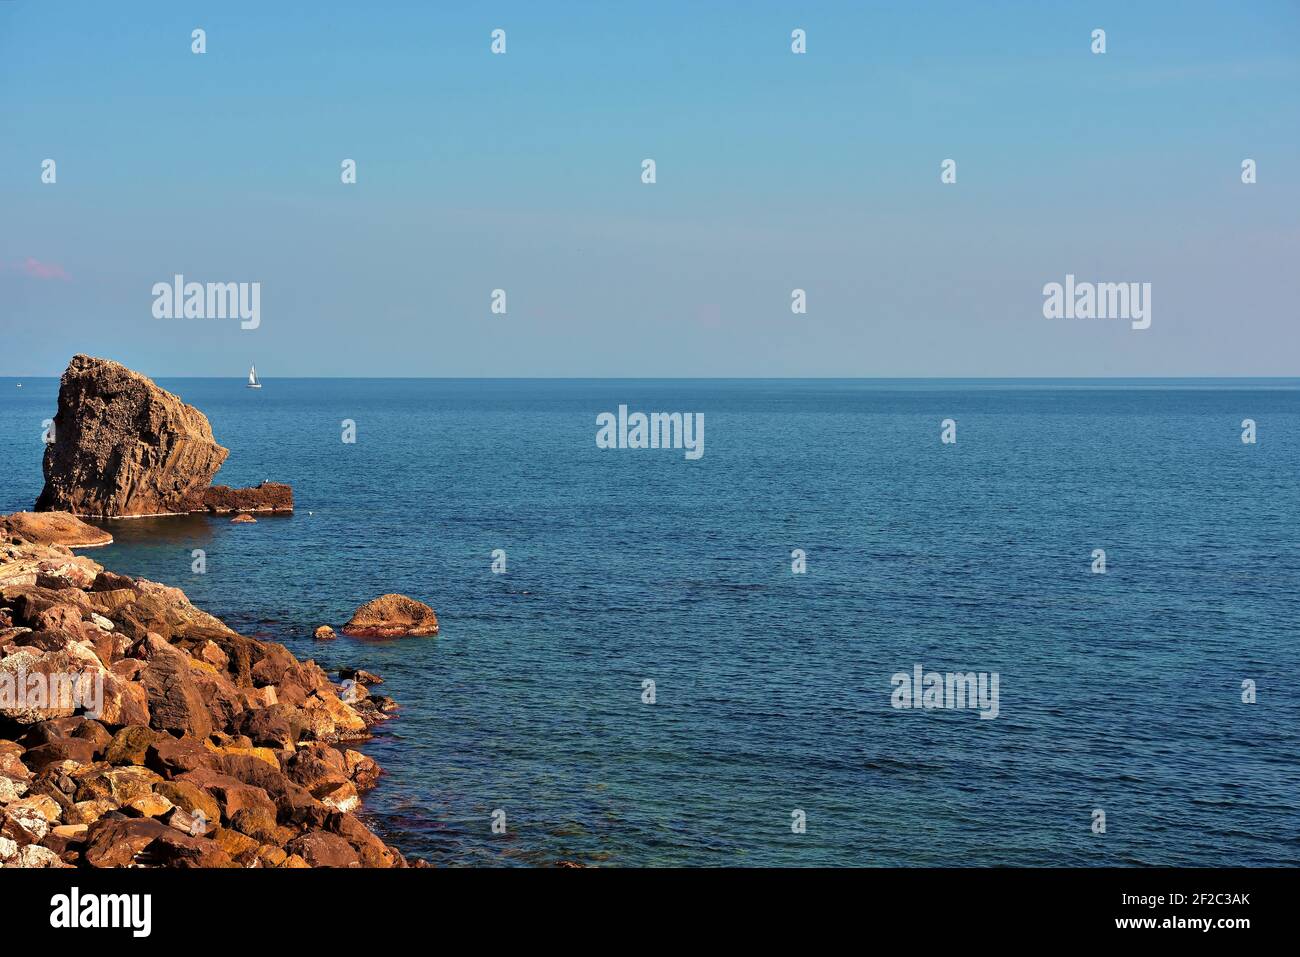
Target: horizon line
[[721, 378]]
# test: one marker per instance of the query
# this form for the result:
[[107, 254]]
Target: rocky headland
[[135, 729]]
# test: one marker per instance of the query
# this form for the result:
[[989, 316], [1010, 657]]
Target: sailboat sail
[[252, 378]]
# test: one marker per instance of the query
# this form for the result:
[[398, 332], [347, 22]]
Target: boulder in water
[[392, 616]]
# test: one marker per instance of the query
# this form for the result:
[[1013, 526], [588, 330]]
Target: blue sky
[[775, 171]]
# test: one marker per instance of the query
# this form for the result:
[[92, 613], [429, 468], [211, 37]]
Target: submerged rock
[[243, 520], [392, 616]]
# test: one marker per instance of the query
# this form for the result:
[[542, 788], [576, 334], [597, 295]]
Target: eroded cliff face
[[123, 446]]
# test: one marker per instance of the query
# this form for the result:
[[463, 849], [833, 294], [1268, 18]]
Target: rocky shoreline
[[135, 729], [201, 747]]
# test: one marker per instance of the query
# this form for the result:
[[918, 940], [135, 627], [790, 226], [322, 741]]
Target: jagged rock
[[11, 789], [271, 856], [238, 846], [362, 769], [36, 856], [175, 703], [324, 633], [392, 616], [322, 849], [190, 798], [130, 744], [277, 726], [149, 805], [231, 793], [123, 446], [120, 785], [64, 749], [174, 756], [317, 767], [50, 567], [125, 702], [371, 850], [118, 841], [44, 678], [88, 812]]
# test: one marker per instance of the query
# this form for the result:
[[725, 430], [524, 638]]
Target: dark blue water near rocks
[[1119, 691]]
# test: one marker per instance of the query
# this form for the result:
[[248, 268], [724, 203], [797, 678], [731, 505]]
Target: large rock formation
[[136, 730], [392, 616], [123, 446]]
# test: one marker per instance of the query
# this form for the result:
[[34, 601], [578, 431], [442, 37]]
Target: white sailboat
[[252, 378]]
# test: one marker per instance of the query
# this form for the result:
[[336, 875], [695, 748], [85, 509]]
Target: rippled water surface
[[1119, 691]]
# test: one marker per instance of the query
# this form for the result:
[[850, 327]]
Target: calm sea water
[[1119, 691]]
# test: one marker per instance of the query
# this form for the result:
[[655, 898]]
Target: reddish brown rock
[[125, 702], [114, 840], [277, 726], [209, 750], [371, 851], [175, 756], [175, 703], [243, 520], [177, 849], [123, 446], [266, 497], [232, 794], [190, 798], [120, 785], [259, 823], [322, 849], [53, 528], [363, 770], [111, 581], [148, 805], [64, 749], [324, 633], [239, 847], [392, 616], [271, 856], [117, 841], [50, 695], [130, 745], [317, 767]]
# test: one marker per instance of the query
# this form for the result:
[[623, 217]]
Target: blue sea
[[1119, 691]]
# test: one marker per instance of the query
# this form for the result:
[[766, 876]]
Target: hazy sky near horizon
[[775, 171]]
